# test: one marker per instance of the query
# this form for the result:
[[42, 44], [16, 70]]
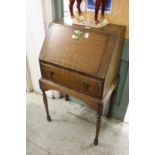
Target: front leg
[[98, 124], [46, 106]]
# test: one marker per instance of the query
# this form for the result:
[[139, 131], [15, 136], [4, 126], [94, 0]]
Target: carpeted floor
[[71, 131]]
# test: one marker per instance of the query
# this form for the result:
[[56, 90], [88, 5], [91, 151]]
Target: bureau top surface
[[84, 55]]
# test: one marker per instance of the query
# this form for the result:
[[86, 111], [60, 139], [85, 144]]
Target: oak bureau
[[86, 68]]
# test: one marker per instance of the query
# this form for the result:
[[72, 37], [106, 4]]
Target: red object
[[71, 3], [98, 3]]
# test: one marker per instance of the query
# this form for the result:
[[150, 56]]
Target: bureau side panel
[[113, 68]]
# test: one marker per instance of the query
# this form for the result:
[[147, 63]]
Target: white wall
[[39, 14], [35, 36]]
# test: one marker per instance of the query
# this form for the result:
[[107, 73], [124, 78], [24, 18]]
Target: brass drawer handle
[[50, 74], [86, 85]]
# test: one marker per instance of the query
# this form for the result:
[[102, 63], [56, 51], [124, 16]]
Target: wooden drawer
[[73, 80]]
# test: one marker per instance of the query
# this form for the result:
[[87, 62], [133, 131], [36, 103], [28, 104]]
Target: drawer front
[[81, 83]]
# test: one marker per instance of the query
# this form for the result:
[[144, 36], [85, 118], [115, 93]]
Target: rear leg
[[71, 3], [81, 18], [78, 7], [97, 6], [103, 9], [66, 97]]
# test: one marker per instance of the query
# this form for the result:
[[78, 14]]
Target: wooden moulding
[[46, 85]]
